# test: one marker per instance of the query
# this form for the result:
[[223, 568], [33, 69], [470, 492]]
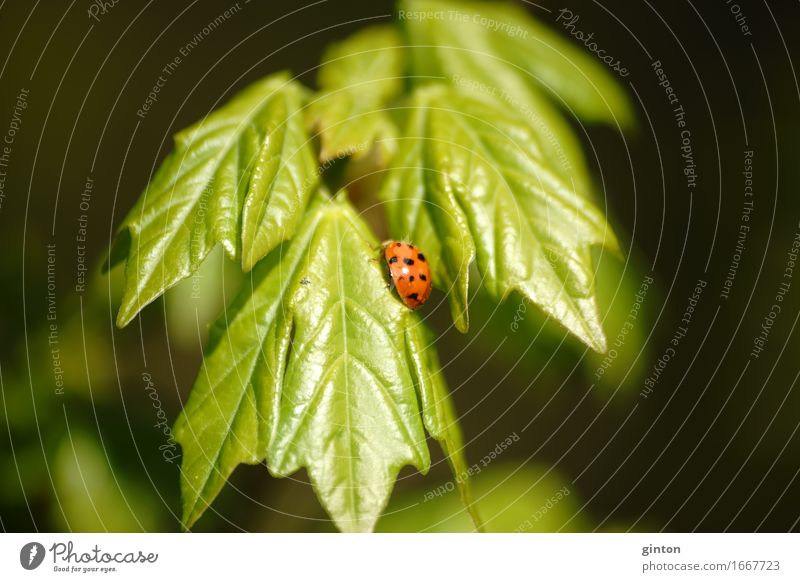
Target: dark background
[[714, 447]]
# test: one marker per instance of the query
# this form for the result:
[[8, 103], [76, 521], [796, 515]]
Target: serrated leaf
[[453, 51], [506, 48], [358, 77], [438, 413], [436, 224], [480, 166], [310, 368], [566, 71], [282, 180], [203, 194]]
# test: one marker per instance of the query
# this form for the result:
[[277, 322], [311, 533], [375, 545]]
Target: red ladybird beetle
[[410, 272]]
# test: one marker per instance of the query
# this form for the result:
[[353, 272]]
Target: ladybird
[[409, 272]]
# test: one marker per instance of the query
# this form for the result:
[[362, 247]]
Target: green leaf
[[358, 77], [241, 178], [472, 170], [310, 368], [562, 69], [456, 52], [438, 413], [436, 224], [500, 44]]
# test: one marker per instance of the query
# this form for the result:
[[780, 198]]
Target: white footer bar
[[390, 557]]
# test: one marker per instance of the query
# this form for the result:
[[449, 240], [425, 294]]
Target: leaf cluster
[[316, 363]]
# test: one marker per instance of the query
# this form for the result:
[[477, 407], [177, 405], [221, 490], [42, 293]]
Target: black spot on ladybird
[[421, 257], [411, 279], [398, 244], [413, 296], [393, 260], [423, 277], [408, 261]]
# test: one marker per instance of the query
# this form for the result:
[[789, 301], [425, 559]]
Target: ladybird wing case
[[409, 271]]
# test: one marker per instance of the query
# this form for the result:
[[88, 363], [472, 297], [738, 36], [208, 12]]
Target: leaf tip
[[247, 261], [125, 314], [597, 342], [461, 321], [191, 514]]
